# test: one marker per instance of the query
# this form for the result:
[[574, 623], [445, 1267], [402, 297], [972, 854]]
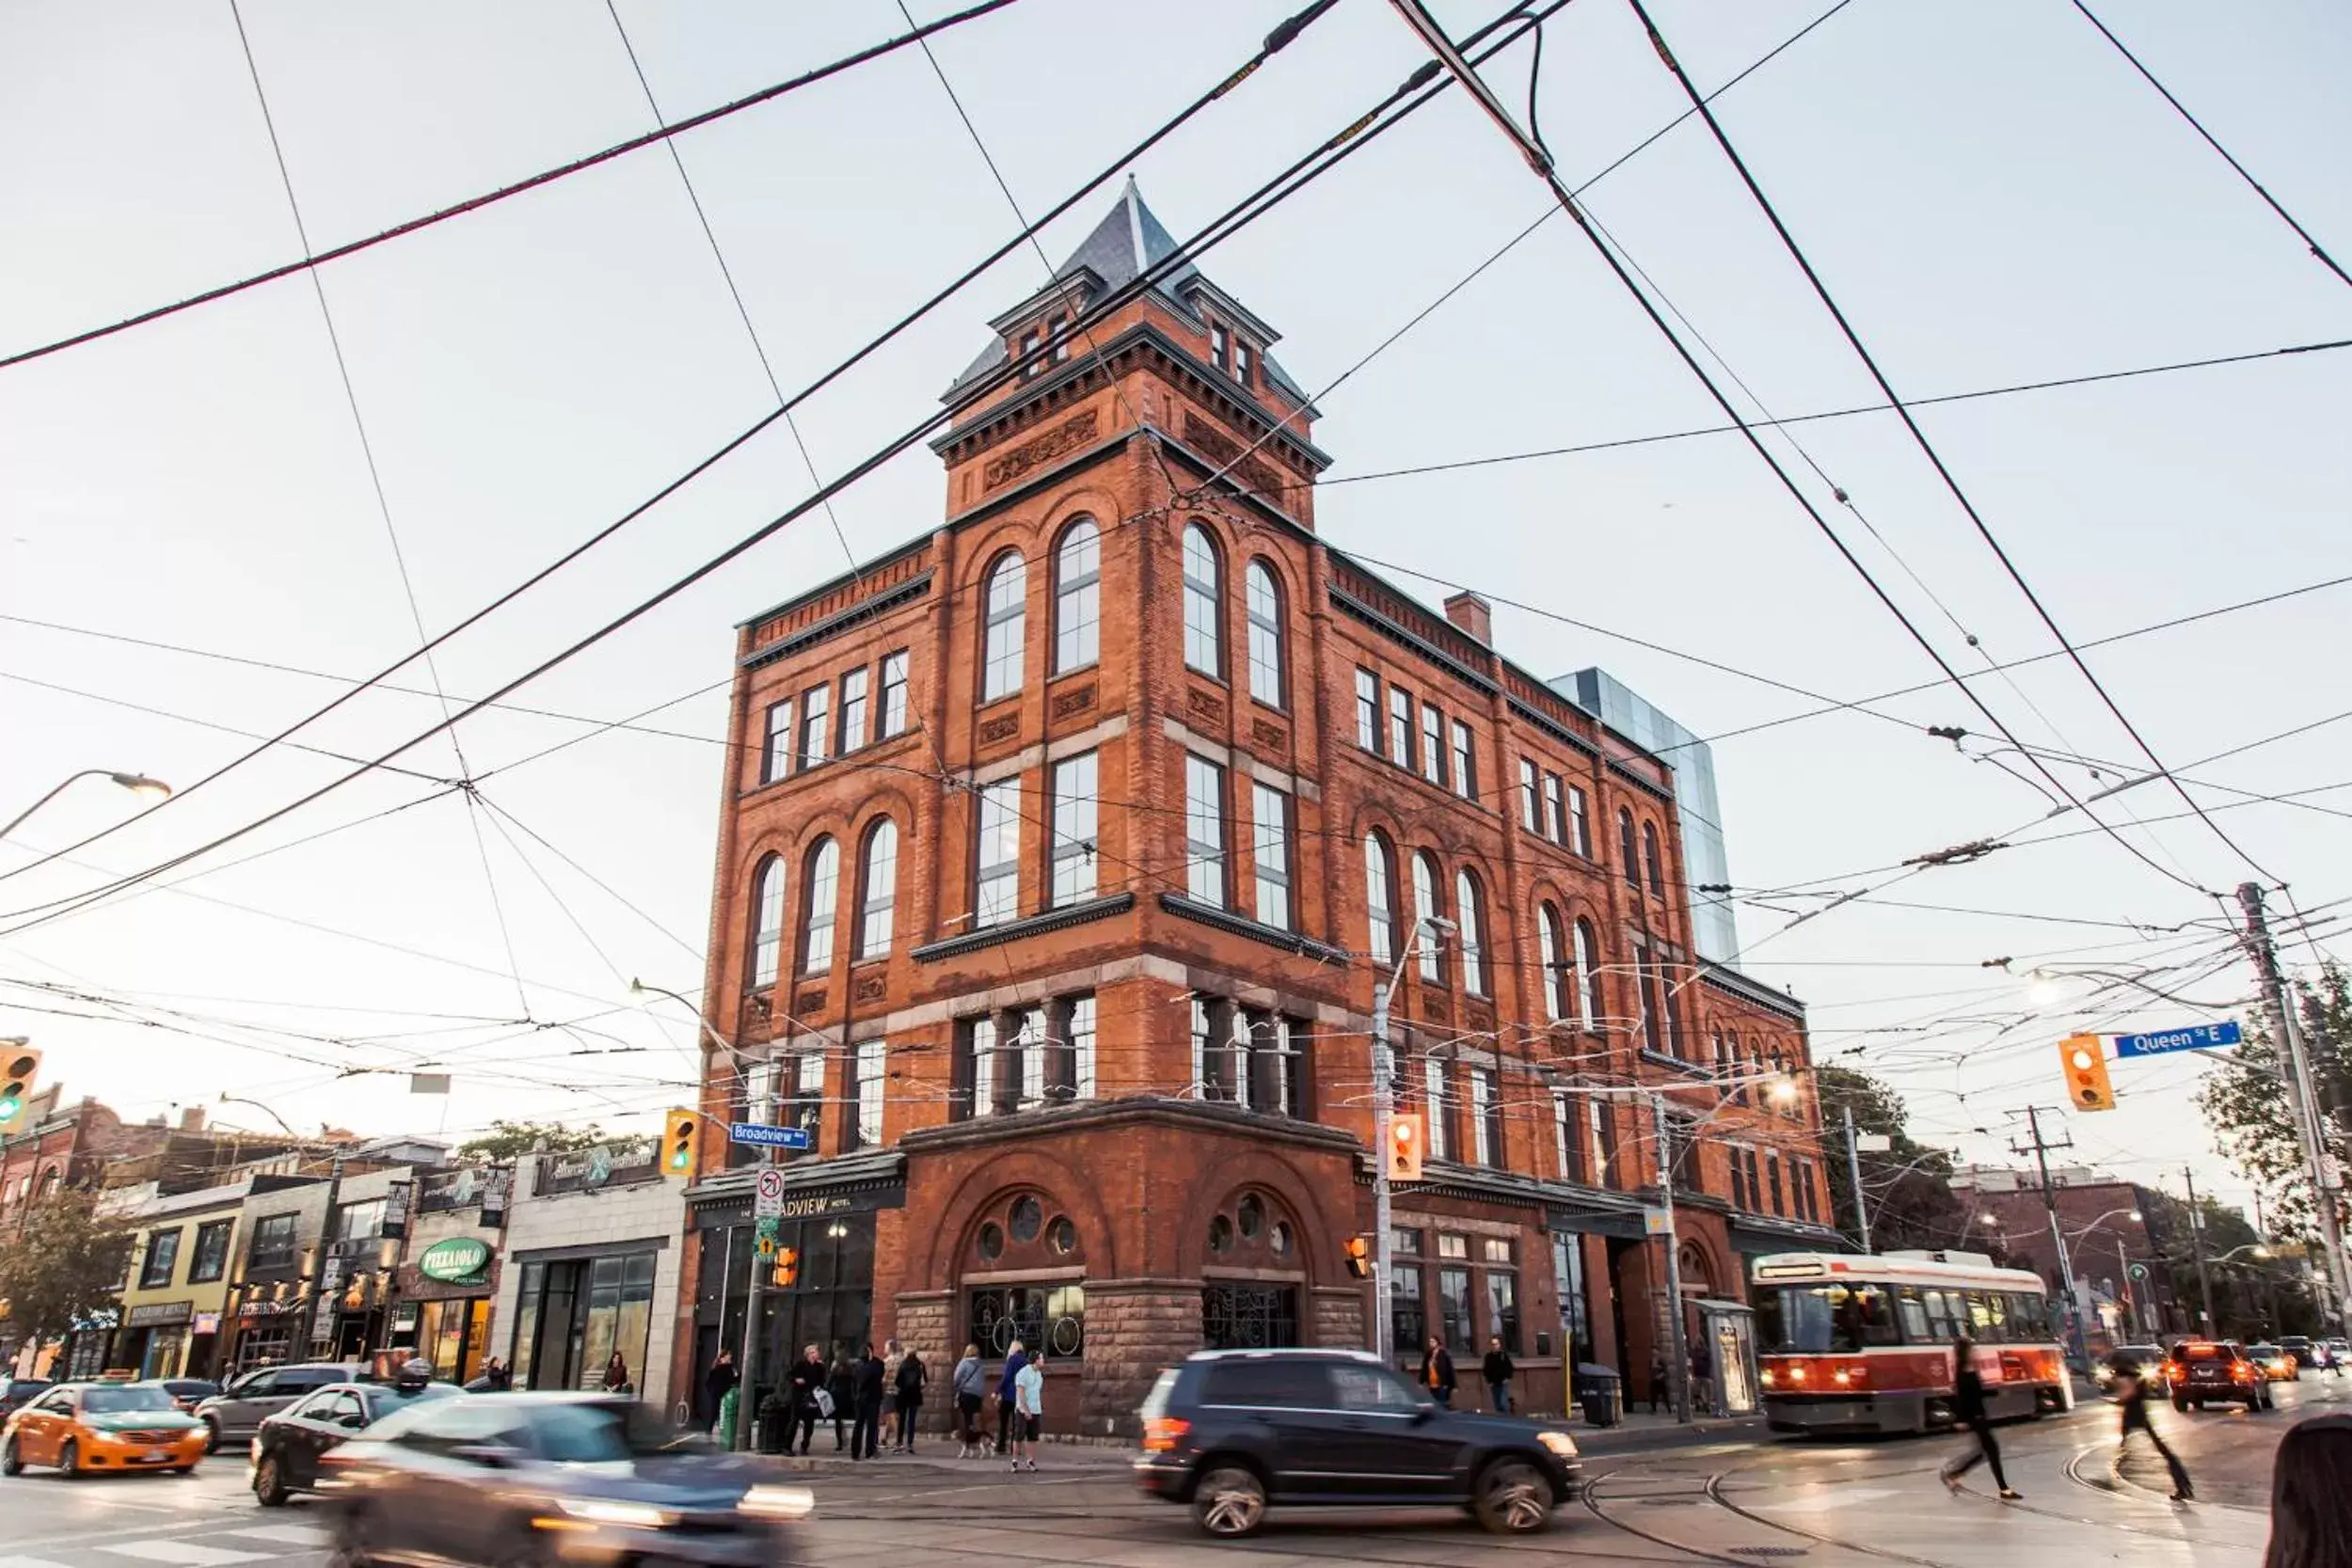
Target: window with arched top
[[1469, 917], [1262, 598], [1558, 985], [1626, 851], [1653, 861], [1587, 975], [1077, 598], [1380, 898], [1204, 603], [767, 920], [1426, 906], [824, 889], [878, 890], [1006, 626]]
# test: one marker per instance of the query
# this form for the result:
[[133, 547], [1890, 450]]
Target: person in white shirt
[[1028, 1403]]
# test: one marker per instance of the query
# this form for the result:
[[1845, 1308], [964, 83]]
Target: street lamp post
[[137, 784], [1383, 1113]]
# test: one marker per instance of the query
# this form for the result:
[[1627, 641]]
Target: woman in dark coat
[[912, 1377]]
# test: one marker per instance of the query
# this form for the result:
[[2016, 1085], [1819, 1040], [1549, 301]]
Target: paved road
[[2228, 1452], [1816, 1504]]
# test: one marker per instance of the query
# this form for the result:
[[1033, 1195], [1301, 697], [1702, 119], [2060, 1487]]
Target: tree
[[2245, 1102], [65, 1264], [510, 1140], [1909, 1184]]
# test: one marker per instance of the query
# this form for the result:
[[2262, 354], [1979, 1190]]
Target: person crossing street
[[1968, 1411], [2131, 1393]]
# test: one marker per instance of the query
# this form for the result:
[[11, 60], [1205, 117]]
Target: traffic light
[[2086, 1066], [1360, 1257], [21, 1063], [788, 1269], [678, 1137], [1407, 1132]]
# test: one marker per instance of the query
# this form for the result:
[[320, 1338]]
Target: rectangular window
[[1465, 763], [1241, 361], [1204, 1049], [1566, 1148], [1454, 1310], [163, 1255], [866, 1085], [1772, 1174], [775, 751], [1082, 1048], [979, 1037], [1555, 819], [1368, 711], [1031, 1042], [1653, 1035], [1603, 1129], [1074, 830], [1434, 1095], [1486, 1117], [816, 705], [999, 894], [852, 712], [1502, 1304], [1057, 334], [1204, 831], [273, 1242], [1530, 813], [1449, 1246], [894, 696], [1401, 728], [211, 1252], [1579, 824], [1433, 744], [1270, 830], [1031, 341], [1738, 1176], [1409, 1320], [1755, 1179]]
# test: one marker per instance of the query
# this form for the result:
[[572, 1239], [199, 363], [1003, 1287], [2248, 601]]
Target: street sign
[[768, 1246], [1657, 1222], [762, 1135], [768, 1226], [769, 1201], [2194, 1037], [1874, 1143]]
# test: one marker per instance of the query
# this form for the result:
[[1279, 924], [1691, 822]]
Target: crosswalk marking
[[294, 1535], [27, 1562], [185, 1554]]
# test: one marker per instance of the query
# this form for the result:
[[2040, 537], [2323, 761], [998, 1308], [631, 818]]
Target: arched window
[[1263, 602], [1467, 916], [767, 920], [1078, 597], [1626, 851], [1007, 626], [824, 893], [1204, 603], [1650, 859], [1559, 990], [1381, 899], [1587, 975], [878, 898], [1425, 907]]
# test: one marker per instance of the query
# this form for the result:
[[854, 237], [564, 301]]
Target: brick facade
[[1207, 1184]]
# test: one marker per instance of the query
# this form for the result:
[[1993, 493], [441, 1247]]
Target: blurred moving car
[[239, 1409], [527, 1477], [2274, 1362], [1231, 1433], [85, 1427], [16, 1392], [2148, 1358], [2299, 1347], [186, 1392], [2208, 1371], [286, 1449]]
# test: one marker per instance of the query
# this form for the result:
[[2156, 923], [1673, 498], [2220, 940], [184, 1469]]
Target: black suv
[[1231, 1432], [2208, 1371]]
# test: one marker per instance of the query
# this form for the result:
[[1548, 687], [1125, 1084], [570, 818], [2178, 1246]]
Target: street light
[[137, 784], [1383, 1111]]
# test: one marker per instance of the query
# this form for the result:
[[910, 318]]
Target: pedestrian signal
[[22, 1065], [677, 1143], [788, 1269], [1360, 1257], [2086, 1066], [1406, 1135]]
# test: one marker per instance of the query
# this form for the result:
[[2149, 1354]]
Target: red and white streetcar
[[1847, 1343]]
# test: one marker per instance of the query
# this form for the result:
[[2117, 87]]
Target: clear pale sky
[[1991, 193]]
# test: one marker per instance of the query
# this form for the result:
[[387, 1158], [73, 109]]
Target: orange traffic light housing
[[2085, 1063], [1409, 1133], [19, 1064], [1360, 1257], [787, 1268], [680, 1152]]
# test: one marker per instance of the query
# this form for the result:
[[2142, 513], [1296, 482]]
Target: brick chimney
[[1474, 615]]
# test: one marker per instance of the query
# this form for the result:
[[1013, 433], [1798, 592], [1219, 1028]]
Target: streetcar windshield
[[1839, 1318]]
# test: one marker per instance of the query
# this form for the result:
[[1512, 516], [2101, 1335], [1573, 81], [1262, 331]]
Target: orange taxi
[[93, 1428]]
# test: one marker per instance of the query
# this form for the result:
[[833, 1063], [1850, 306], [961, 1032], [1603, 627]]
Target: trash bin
[[725, 1425], [1601, 1392], [775, 1422]]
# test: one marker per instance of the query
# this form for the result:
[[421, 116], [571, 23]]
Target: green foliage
[[2245, 1102], [66, 1263], [1909, 1184], [510, 1140]]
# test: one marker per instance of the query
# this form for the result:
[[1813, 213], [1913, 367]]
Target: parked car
[[2299, 1347], [82, 1428], [16, 1392], [287, 1448], [186, 1392], [239, 1409], [1234, 1432], [491, 1479], [2204, 1372]]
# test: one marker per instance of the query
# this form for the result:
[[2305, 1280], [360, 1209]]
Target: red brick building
[[1062, 854]]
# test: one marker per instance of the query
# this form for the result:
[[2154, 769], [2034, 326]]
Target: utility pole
[[1854, 1168], [2262, 1256], [1383, 1112], [1678, 1347], [2058, 1237], [2302, 1096], [2196, 1239]]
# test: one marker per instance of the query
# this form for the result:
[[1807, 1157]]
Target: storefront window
[[1503, 1308], [1453, 1308], [1248, 1317], [1408, 1320], [1576, 1309], [1051, 1316], [574, 1315]]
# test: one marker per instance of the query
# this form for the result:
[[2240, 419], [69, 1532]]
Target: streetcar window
[[1948, 1315], [1823, 1319], [1914, 1314]]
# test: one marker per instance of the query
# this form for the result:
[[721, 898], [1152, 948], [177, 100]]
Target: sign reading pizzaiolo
[[458, 1261]]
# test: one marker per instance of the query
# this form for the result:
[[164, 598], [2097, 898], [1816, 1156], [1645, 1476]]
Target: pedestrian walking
[[1028, 1403], [718, 1383], [1436, 1373], [969, 1384], [1968, 1411], [808, 1396], [2310, 1479], [892, 1355], [841, 1384], [909, 1381], [868, 1384], [1015, 1359], [1702, 1378], [2131, 1392], [1497, 1370], [1657, 1380]]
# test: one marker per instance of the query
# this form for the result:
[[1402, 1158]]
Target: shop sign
[[156, 1314], [395, 1224], [405, 1318], [458, 1261], [496, 1187], [207, 1323]]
